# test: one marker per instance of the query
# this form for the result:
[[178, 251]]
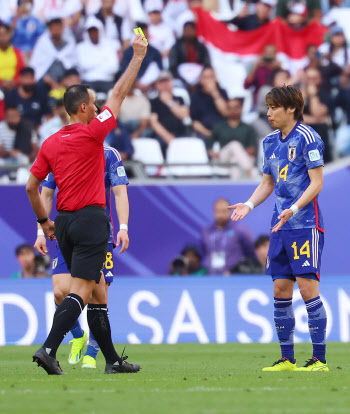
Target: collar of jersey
[[72, 125], [290, 134]]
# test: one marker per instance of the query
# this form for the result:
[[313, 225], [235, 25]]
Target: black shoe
[[122, 367], [50, 364]]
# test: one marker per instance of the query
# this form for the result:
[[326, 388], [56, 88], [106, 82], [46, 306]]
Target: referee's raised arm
[[125, 82]]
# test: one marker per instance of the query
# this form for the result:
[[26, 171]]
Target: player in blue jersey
[[116, 180], [293, 167]]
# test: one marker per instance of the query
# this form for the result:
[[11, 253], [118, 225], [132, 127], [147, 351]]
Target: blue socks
[[285, 324], [93, 347], [317, 319]]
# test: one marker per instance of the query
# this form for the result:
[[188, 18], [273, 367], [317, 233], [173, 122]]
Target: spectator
[[135, 113], [30, 98], [11, 60], [237, 140], [69, 11], [208, 104], [187, 53], [60, 118], [169, 113], [18, 140], [31, 266], [116, 28], [316, 112], [26, 28], [342, 138], [150, 67], [313, 8], [339, 14], [250, 21], [188, 263], [297, 17], [335, 51], [53, 54], [120, 139], [262, 71], [161, 35], [225, 242], [94, 50], [255, 265], [70, 77]]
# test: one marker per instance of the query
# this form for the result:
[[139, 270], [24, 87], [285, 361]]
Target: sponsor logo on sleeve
[[314, 155], [121, 172], [104, 115]]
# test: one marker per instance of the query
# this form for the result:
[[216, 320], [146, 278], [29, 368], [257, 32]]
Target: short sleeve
[[266, 167], [41, 167], [49, 182], [116, 170], [313, 152], [102, 125]]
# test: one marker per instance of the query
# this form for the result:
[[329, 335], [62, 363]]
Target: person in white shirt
[[97, 57], [161, 36], [53, 54]]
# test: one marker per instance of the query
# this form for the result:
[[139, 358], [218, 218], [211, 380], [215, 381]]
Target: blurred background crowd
[[193, 111], [181, 90]]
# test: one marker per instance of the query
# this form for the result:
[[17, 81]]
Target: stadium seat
[[188, 151], [148, 152]]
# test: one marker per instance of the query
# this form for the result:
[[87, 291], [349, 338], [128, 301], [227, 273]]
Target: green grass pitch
[[184, 378]]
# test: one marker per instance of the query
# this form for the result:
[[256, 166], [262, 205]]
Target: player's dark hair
[[74, 96], [23, 247], [27, 70], [287, 96], [264, 238]]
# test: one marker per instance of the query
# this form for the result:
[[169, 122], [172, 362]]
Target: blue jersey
[[114, 175], [288, 161]]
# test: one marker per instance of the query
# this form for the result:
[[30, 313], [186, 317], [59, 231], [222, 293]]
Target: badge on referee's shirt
[[104, 115]]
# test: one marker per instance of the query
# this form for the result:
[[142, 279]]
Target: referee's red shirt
[[75, 155]]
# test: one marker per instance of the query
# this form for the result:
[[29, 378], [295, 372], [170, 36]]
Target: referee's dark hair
[[74, 96], [287, 96]]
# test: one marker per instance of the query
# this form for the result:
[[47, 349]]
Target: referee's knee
[[59, 294]]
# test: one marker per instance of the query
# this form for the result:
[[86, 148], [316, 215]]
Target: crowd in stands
[[48, 45]]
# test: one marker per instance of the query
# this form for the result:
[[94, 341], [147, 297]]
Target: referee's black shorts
[[82, 236]]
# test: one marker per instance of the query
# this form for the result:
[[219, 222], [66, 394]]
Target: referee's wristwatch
[[43, 220]]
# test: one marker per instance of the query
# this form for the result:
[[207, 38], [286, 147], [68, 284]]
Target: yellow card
[[138, 30]]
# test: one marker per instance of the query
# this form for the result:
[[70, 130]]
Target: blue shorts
[[295, 253], [59, 265]]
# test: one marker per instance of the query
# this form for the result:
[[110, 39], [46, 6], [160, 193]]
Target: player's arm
[[261, 193], [32, 189], [122, 207], [47, 200], [124, 84], [314, 188]]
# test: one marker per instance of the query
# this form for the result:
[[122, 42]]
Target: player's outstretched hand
[[40, 245], [49, 229], [140, 46], [123, 237], [240, 211], [283, 217]]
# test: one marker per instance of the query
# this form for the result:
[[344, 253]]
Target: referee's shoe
[[50, 364], [122, 368]]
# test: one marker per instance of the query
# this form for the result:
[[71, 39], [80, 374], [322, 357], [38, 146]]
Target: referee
[[75, 155]]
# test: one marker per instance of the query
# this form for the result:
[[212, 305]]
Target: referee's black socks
[[98, 321], [65, 317]]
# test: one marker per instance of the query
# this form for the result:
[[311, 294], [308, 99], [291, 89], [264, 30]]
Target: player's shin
[[285, 324], [98, 321], [65, 317], [317, 319]]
